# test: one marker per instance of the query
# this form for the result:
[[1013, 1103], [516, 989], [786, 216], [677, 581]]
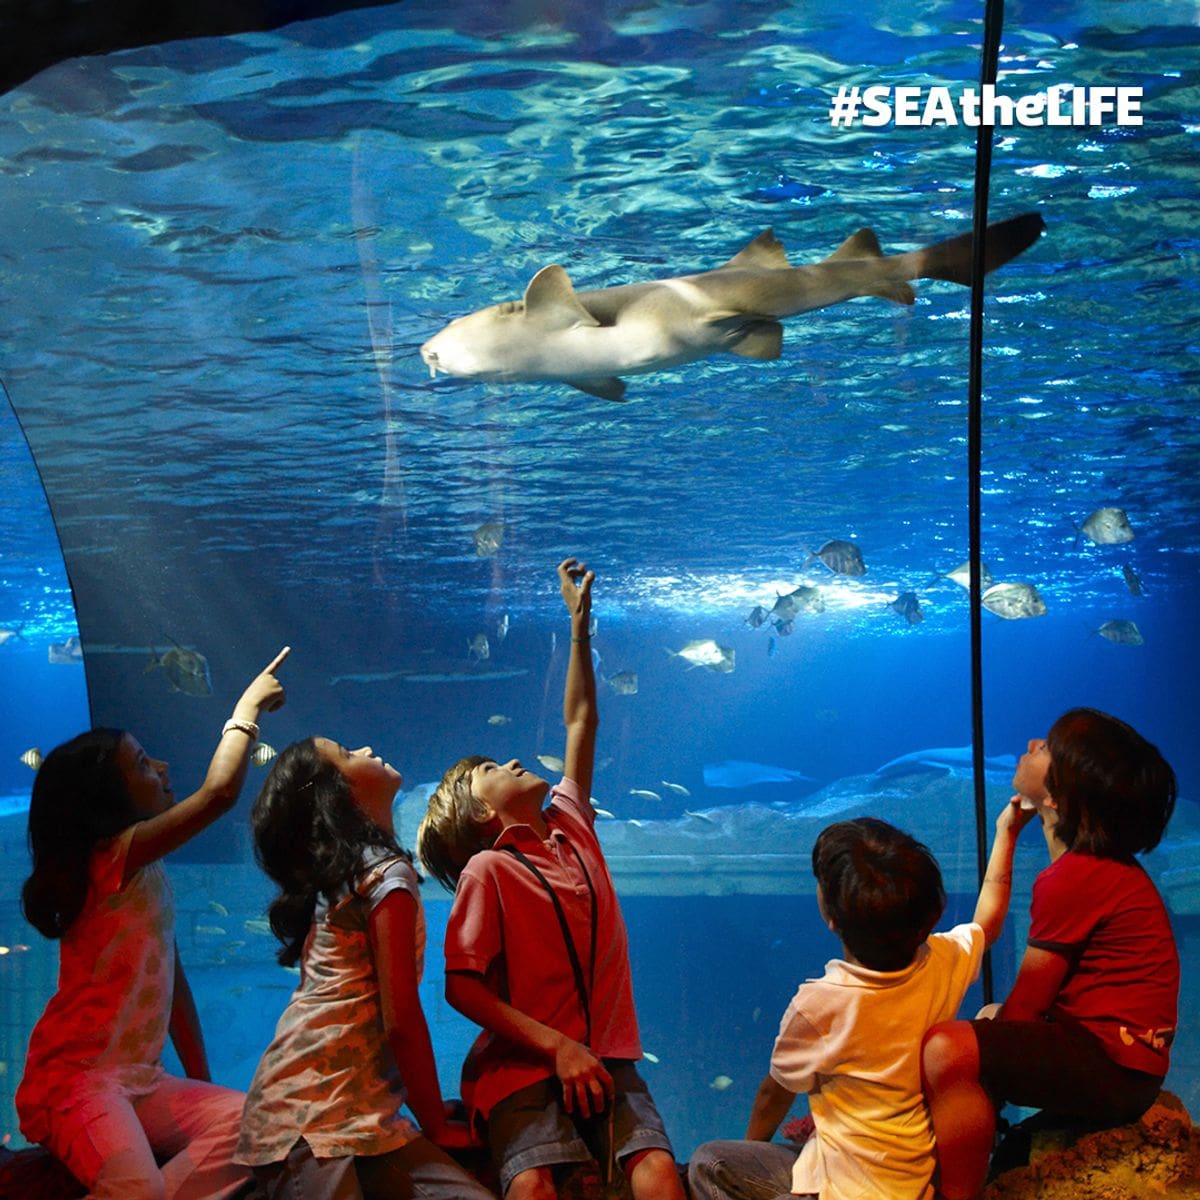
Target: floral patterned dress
[[328, 1077]]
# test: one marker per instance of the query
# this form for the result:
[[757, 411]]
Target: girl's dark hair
[[1114, 791], [310, 838], [882, 889], [79, 798]]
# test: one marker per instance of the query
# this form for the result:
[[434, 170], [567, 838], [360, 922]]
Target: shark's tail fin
[[951, 259]]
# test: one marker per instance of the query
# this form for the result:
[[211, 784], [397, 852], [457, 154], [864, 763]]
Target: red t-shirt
[[1107, 918], [503, 927]]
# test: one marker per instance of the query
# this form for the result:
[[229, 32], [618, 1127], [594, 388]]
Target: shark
[[736, 773], [589, 340], [949, 760]]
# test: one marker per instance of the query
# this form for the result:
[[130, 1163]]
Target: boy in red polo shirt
[[536, 954]]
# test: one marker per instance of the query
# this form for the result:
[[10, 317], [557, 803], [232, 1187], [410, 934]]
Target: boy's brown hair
[[882, 890], [454, 827]]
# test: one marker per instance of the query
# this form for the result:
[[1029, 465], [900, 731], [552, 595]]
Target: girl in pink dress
[[101, 817]]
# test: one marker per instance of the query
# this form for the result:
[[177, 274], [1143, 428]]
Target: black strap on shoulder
[[582, 983]]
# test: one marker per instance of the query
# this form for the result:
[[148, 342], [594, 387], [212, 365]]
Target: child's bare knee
[[949, 1053], [535, 1184], [653, 1173]]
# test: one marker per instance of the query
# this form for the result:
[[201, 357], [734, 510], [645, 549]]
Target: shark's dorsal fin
[[551, 299], [862, 244], [765, 251], [605, 389]]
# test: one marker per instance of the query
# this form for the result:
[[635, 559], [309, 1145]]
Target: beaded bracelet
[[247, 727]]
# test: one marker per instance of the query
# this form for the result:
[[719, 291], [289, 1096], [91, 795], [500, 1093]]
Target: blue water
[[219, 258]]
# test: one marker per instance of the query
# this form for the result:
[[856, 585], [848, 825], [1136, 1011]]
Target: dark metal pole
[[993, 27]]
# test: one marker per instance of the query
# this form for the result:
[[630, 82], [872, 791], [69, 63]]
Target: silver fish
[[1013, 601], [478, 647], [758, 616], [644, 794], [909, 607], [32, 758], [262, 754], [1122, 633], [499, 719], [677, 788], [624, 683], [842, 558], [61, 654], [1108, 527], [502, 627], [962, 575], [488, 538], [186, 670], [552, 762], [804, 599], [704, 652], [1133, 581]]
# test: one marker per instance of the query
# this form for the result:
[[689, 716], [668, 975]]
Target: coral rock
[[1156, 1156]]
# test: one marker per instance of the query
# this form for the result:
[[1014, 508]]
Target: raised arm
[[159, 835], [580, 714], [996, 890]]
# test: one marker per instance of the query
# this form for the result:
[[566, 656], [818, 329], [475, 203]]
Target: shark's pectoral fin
[[749, 336], [605, 389], [759, 339], [901, 293], [550, 300], [765, 251]]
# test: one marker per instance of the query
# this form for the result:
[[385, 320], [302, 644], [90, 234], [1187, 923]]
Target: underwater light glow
[[712, 594]]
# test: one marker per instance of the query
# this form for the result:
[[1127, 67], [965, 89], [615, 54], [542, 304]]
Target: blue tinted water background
[[217, 261]]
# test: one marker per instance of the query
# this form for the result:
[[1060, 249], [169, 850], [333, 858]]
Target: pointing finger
[[275, 663]]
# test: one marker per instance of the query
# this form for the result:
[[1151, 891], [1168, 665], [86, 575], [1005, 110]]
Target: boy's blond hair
[[454, 827]]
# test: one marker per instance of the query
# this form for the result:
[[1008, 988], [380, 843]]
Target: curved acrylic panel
[[231, 251]]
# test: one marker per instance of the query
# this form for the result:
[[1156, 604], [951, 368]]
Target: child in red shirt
[[1087, 1028], [536, 953]]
